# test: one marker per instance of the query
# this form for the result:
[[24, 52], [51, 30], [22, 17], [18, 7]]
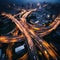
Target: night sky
[[5, 3], [25, 1]]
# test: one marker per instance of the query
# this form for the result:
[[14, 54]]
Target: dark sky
[[24, 1], [4, 3]]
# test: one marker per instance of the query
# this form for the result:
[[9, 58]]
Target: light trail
[[30, 33], [21, 27]]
